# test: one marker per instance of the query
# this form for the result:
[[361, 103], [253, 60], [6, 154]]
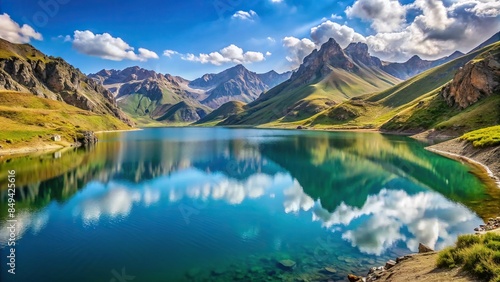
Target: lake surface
[[215, 204]]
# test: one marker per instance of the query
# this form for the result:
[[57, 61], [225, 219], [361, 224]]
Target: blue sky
[[261, 34]]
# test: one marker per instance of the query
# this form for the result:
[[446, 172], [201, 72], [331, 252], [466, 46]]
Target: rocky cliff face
[[23, 68], [478, 79]]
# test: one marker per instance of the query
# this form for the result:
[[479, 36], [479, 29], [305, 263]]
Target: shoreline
[[467, 160], [441, 148], [487, 159], [32, 149], [47, 147], [118, 130]]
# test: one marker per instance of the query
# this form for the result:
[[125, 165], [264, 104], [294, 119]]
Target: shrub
[[468, 240], [446, 258], [476, 254]]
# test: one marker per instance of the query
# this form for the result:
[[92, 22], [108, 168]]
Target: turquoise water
[[215, 204]]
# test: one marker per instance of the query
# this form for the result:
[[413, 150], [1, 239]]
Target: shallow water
[[215, 204]]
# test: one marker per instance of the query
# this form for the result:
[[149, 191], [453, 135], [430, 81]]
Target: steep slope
[[415, 65], [147, 96], [31, 121], [24, 68], [181, 112], [493, 39], [235, 84], [223, 112], [327, 77]]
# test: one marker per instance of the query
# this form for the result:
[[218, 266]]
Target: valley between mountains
[[334, 88]]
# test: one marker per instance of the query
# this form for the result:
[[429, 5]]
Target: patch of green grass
[[29, 120], [485, 137], [477, 254], [221, 113]]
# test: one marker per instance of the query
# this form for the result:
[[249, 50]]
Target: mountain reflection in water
[[372, 192]]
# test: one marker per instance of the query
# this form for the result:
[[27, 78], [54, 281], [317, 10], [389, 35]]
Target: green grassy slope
[[168, 107], [291, 101], [414, 104], [28, 120], [221, 113], [184, 111]]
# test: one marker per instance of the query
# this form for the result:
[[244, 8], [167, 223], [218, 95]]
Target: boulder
[[389, 264], [87, 138], [330, 270], [424, 249], [287, 264], [354, 278]]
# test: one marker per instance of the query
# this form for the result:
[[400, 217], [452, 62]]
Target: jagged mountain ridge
[[415, 65], [23, 68], [147, 94], [236, 84]]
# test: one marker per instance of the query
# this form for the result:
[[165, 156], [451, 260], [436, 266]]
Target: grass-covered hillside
[[28, 120], [414, 105], [223, 112]]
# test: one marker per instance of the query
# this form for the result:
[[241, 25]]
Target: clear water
[[215, 204]]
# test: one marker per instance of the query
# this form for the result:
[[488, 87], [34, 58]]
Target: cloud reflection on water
[[386, 218]]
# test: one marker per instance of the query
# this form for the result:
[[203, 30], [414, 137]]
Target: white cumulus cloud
[[229, 54], [108, 47], [341, 33], [297, 49], [169, 53], [15, 33], [385, 15], [243, 15]]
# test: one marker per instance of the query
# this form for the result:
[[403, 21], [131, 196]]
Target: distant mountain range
[[333, 87], [149, 96]]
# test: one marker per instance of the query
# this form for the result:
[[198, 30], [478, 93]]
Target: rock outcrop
[[87, 138], [478, 79]]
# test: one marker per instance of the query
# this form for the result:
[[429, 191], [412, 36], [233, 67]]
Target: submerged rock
[[287, 264], [330, 270]]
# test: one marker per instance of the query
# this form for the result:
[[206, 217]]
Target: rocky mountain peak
[[359, 53], [414, 59], [318, 64]]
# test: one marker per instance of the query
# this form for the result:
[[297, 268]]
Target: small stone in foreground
[[330, 270], [389, 264], [424, 249], [354, 278]]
